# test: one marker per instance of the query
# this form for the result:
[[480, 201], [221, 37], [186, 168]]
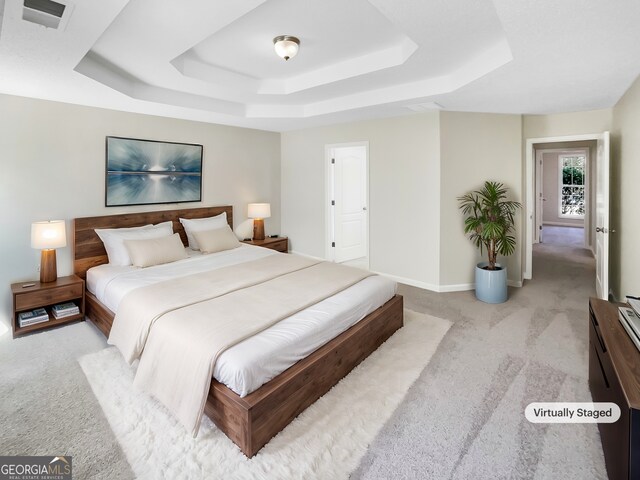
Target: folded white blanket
[[178, 328]]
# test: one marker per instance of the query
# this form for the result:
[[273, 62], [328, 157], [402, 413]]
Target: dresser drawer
[[38, 298], [613, 377]]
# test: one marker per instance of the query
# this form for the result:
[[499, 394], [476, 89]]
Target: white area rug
[[326, 441]]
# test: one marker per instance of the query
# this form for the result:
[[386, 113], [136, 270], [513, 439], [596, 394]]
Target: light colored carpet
[[567, 236], [46, 406], [464, 416], [325, 442], [456, 418]]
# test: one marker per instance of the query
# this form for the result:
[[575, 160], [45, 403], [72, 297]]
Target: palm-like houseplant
[[489, 222]]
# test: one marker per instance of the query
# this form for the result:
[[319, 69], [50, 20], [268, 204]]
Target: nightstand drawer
[[38, 298], [280, 245]]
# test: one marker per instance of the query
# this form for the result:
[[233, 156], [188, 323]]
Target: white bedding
[[253, 362]]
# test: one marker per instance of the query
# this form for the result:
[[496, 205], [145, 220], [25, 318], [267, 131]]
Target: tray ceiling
[[214, 61]]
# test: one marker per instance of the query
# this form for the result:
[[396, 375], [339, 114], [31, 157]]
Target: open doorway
[[564, 186], [347, 228], [596, 225]]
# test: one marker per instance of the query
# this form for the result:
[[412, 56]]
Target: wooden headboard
[[88, 250]]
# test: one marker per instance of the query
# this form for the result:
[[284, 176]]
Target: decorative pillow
[[202, 225], [155, 251], [113, 239], [212, 241]]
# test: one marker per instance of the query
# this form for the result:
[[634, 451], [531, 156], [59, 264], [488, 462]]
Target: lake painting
[[143, 172]]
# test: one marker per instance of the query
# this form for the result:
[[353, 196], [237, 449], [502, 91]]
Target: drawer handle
[[604, 375], [596, 329], [600, 340]]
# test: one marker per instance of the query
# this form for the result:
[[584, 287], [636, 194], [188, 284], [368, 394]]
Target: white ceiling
[[213, 61]]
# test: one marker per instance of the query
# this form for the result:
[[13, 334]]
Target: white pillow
[[156, 251], [113, 239], [218, 240], [202, 225]]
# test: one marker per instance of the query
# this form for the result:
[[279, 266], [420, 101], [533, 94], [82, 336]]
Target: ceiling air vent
[[46, 12]]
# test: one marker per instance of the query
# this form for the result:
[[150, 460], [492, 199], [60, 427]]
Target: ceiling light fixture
[[286, 46]]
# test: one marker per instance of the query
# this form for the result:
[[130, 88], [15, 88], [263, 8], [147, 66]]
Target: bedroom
[[52, 141]]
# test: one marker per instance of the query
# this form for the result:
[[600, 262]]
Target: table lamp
[[47, 236], [259, 211]]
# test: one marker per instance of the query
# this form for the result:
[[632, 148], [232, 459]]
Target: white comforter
[[253, 362]]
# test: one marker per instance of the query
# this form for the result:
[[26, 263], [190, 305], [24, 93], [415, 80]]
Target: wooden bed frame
[[250, 422]]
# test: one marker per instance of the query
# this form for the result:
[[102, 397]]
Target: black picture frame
[[151, 172]]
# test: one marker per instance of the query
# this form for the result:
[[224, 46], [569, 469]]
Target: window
[[572, 178]]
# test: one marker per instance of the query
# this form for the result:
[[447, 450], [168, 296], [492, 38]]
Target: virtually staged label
[[566, 412]]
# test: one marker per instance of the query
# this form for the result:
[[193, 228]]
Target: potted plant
[[489, 221]]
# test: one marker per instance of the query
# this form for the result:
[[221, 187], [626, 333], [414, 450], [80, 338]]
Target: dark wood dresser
[[614, 376]]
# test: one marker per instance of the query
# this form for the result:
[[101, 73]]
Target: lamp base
[[258, 229], [48, 266]]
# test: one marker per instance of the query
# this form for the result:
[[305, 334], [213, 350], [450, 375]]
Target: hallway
[[567, 236]]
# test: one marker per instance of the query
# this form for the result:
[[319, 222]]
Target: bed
[[249, 420]]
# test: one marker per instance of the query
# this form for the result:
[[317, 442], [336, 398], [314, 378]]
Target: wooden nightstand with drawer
[[280, 244], [46, 295]]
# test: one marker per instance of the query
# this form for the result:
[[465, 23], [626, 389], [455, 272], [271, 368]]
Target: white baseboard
[[420, 284], [308, 256], [563, 224], [472, 286], [410, 281], [462, 287]]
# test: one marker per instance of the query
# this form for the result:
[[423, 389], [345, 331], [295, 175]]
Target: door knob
[[599, 229], [364, 209]]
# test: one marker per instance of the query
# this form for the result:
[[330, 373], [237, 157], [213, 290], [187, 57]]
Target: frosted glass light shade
[[286, 46], [50, 234], [259, 210]]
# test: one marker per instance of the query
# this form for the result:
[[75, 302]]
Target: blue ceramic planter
[[491, 285]]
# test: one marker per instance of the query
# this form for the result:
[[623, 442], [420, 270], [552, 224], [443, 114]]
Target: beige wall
[[53, 167], [476, 147], [404, 192], [625, 173], [559, 124]]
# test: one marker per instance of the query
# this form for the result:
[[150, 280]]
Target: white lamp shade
[[50, 234], [259, 210], [286, 46]]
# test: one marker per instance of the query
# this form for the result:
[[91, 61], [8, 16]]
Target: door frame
[[538, 172], [329, 251], [530, 188]]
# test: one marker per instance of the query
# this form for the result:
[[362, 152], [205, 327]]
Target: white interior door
[[539, 197], [602, 217], [350, 198]]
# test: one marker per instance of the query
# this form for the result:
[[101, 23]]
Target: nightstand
[[46, 295], [281, 244]]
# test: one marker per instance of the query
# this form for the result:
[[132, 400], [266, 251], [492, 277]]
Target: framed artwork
[[146, 172]]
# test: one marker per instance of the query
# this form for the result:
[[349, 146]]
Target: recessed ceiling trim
[[194, 68], [425, 107], [390, 57], [353, 67]]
